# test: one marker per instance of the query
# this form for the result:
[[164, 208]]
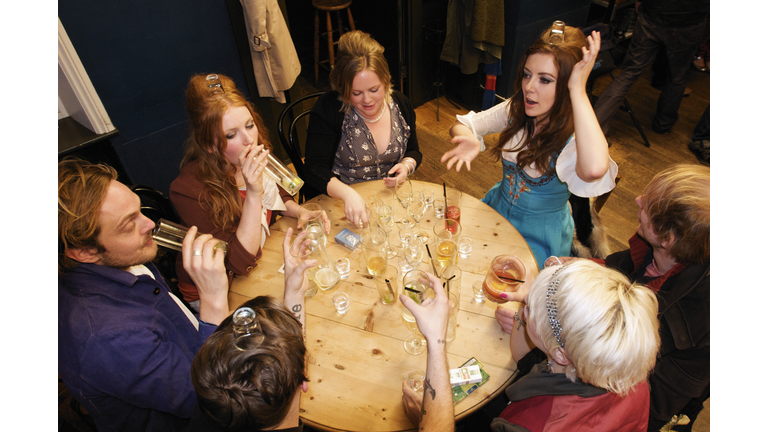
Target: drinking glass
[[416, 381], [417, 209], [448, 229], [404, 233], [444, 252], [415, 286], [404, 194], [342, 266], [384, 196], [341, 302], [439, 207], [413, 253], [324, 273], [451, 277], [477, 291], [246, 329], [374, 251], [505, 274], [301, 250], [387, 282], [385, 220], [552, 261], [313, 215], [429, 197], [170, 235], [453, 204], [465, 247]]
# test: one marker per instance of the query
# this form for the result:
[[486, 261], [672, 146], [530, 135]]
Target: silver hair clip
[[246, 329], [557, 33], [554, 284], [214, 84]]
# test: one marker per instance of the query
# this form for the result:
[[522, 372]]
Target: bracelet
[[521, 322], [411, 168]]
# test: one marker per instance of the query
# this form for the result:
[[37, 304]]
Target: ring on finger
[[197, 253]]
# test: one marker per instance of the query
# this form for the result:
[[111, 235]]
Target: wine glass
[[404, 194], [413, 253], [417, 209], [385, 220], [415, 285]]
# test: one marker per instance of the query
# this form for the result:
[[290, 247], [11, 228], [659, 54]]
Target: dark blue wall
[[140, 55]]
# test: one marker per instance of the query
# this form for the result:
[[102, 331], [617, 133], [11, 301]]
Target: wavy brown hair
[[82, 188], [538, 150], [207, 142], [251, 389]]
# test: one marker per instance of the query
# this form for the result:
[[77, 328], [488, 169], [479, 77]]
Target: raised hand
[[252, 165], [206, 268], [582, 69], [432, 315], [466, 150]]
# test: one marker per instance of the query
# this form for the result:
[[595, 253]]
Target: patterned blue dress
[[537, 206]]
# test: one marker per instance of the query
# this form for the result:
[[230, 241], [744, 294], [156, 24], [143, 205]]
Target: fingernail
[[503, 295]]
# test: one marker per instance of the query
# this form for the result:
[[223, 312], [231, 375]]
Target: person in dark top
[[362, 130], [676, 25]]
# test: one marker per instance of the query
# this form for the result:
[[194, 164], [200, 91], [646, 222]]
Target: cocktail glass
[[505, 274]]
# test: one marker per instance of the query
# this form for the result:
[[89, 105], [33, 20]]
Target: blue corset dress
[[537, 208]]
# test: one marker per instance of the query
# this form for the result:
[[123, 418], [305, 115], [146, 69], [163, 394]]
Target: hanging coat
[[275, 62]]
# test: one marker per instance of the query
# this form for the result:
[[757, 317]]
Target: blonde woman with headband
[[362, 130], [599, 333]]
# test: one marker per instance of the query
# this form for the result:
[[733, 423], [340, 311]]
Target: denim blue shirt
[[126, 348]]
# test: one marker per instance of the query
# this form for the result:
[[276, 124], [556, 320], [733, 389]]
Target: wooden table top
[[357, 362]]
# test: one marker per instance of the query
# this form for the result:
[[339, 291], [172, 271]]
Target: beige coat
[[275, 62]]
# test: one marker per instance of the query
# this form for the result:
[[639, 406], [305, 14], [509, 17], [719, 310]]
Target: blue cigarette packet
[[348, 239]]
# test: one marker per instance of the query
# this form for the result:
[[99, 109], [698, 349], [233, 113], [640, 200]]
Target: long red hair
[[538, 150], [207, 142]]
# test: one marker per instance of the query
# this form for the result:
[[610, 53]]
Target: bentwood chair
[[289, 137]]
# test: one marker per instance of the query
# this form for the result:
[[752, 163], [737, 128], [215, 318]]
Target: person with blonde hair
[[362, 129], [550, 141], [599, 333], [222, 188], [670, 254]]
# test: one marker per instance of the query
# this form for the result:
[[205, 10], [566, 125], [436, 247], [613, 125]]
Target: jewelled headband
[[554, 284], [557, 33]]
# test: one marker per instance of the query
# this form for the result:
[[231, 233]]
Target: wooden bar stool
[[329, 6]]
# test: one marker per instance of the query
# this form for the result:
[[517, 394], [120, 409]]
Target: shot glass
[[429, 197], [416, 381], [404, 233], [246, 329], [341, 302], [170, 235], [439, 206], [342, 265], [387, 281], [453, 316], [477, 291], [465, 247]]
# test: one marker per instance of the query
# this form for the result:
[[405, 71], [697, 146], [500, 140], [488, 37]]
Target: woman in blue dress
[[550, 142]]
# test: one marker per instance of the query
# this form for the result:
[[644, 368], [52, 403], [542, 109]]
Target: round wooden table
[[357, 362]]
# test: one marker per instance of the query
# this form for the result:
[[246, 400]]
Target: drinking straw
[[431, 260], [510, 279], [411, 290], [445, 210], [390, 288]]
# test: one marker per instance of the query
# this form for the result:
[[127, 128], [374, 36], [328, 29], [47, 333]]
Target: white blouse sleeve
[[492, 120], [566, 171]]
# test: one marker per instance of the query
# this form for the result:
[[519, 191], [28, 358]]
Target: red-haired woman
[[222, 188], [551, 143]]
